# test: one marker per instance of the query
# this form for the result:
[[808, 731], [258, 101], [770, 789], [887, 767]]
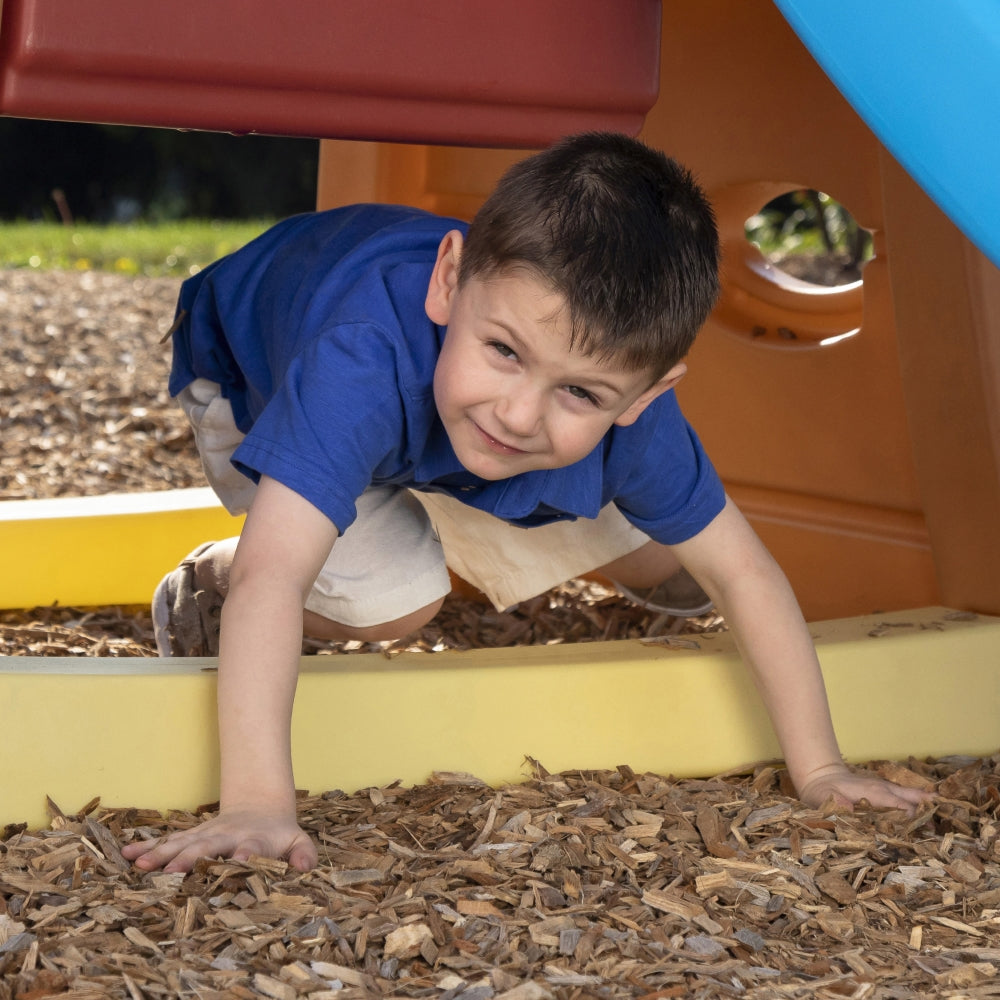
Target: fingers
[[915, 795], [909, 798], [218, 838], [301, 854], [303, 857], [876, 792], [178, 852], [887, 795]]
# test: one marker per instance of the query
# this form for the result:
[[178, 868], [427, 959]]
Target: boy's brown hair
[[621, 231]]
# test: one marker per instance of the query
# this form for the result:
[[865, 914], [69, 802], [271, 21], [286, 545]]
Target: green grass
[[154, 249]]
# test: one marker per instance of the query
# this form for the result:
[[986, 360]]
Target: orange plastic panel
[[520, 73]]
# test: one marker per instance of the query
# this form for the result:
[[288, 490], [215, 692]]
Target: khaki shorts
[[394, 558]]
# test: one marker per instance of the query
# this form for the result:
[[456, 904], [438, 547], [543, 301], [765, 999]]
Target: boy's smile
[[512, 395]]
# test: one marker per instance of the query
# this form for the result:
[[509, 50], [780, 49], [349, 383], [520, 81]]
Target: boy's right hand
[[237, 834]]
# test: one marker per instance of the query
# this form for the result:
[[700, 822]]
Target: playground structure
[[869, 464]]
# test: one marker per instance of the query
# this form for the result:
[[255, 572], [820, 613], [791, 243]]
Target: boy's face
[[511, 394]]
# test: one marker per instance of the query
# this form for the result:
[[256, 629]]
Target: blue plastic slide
[[925, 77]]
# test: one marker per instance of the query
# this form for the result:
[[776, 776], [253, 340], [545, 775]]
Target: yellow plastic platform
[[142, 732], [102, 550]]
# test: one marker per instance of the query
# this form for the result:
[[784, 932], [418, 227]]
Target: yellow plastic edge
[[114, 549], [142, 732]]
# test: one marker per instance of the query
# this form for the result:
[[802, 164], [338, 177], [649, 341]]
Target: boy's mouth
[[494, 445]]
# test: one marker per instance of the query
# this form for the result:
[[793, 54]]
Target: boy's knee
[[318, 627]]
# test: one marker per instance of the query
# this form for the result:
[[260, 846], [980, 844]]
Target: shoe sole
[[163, 602], [662, 609]]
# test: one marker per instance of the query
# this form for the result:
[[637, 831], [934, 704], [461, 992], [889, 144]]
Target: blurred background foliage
[[153, 249], [72, 172], [811, 235]]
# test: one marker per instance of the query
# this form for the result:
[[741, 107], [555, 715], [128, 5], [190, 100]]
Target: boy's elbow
[[732, 564]]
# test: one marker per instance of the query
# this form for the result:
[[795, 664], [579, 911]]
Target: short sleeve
[[671, 490], [336, 417]]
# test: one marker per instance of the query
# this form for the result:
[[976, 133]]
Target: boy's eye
[[502, 349], [575, 390]]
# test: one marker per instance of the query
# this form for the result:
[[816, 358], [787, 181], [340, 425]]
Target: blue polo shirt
[[316, 332]]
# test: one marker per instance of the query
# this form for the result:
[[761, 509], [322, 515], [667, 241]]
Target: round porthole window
[[793, 266], [810, 236]]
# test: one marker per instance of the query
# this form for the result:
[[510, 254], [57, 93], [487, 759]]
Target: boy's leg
[[386, 575], [217, 437], [651, 576], [187, 602], [318, 627], [511, 564], [646, 566], [187, 607]]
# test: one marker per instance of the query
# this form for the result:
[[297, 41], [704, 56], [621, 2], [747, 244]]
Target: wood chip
[[406, 941]]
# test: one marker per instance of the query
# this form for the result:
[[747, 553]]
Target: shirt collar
[[576, 489]]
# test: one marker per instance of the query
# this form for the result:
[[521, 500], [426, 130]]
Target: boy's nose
[[521, 414]]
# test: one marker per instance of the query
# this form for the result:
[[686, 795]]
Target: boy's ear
[[444, 279], [631, 415]]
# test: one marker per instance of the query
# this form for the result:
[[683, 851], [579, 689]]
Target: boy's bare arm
[[282, 548], [750, 590]]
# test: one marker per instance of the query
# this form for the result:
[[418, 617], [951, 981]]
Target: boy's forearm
[[260, 646], [282, 547], [780, 652], [778, 649], [760, 608], [757, 602]]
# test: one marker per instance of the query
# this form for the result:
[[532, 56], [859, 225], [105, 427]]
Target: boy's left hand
[[846, 788]]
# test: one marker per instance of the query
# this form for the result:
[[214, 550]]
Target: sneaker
[[186, 617], [679, 595]]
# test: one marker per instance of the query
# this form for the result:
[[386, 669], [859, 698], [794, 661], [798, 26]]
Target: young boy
[[515, 375]]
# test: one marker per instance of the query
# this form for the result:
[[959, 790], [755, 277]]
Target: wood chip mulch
[[578, 611], [582, 884], [84, 408]]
